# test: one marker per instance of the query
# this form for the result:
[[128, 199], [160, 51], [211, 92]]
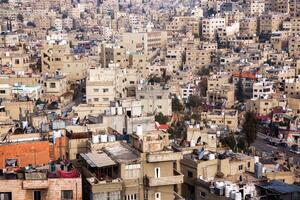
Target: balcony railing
[[177, 178]]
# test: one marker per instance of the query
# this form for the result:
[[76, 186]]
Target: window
[[17, 61], [2, 91], [190, 174], [157, 195], [240, 167], [37, 195], [5, 196], [248, 164], [96, 99], [66, 195], [96, 90], [105, 90], [157, 172], [11, 162], [131, 197], [159, 97], [202, 194], [105, 99], [52, 85]]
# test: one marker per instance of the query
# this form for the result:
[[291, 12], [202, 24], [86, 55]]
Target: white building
[[211, 25], [262, 89]]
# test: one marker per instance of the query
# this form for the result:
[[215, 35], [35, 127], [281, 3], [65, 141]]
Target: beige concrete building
[[248, 26], [222, 95], [155, 99], [256, 7], [292, 88], [55, 86], [111, 53], [147, 42], [269, 23], [216, 80], [109, 84], [192, 167], [265, 106], [293, 47], [145, 170], [17, 61], [228, 118], [210, 26], [197, 58]]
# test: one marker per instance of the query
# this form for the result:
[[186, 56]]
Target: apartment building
[[9, 39], [256, 7], [295, 26], [211, 25], [223, 95], [104, 85], [174, 58], [155, 99], [247, 79], [248, 26], [43, 183], [197, 58], [281, 6], [111, 53], [56, 85], [264, 107], [206, 166], [147, 42], [262, 89], [26, 149], [187, 91], [292, 88], [216, 80], [293, 47], [139, 171], [227, 118], [53, 56], [270, 22], [17, 61]]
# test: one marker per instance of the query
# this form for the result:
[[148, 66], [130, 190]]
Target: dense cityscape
[[149, 99]]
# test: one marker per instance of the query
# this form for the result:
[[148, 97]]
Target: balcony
[[164, 156], [177, 178], [105, 185]]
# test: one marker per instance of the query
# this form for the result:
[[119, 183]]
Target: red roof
[[162, 126], [249, 75]]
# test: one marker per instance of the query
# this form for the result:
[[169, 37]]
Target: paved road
[[262, 146]]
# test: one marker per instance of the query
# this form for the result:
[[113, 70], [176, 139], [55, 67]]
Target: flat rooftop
[[98, 159], [122, 153]]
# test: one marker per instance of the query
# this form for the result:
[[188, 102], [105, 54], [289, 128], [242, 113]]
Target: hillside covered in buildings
[[149, 99]]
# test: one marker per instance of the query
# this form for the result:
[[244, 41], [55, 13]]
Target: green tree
[[20, 17], [241, 144], [160, 118], [176, 105], [250, 127], [194, 101], [230, 142], [204, 71]]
